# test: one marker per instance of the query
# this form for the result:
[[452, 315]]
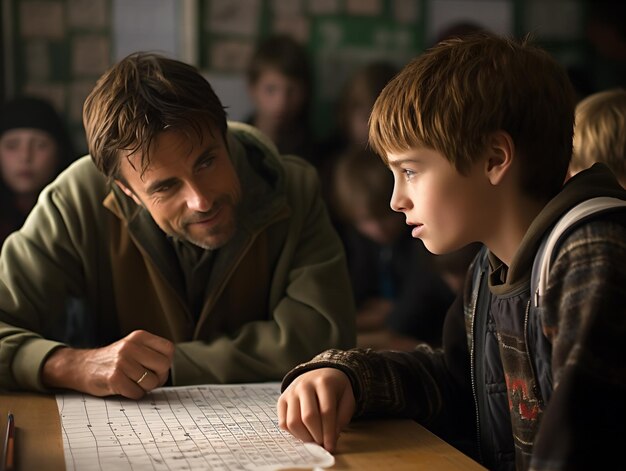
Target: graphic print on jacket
[[526, 406]]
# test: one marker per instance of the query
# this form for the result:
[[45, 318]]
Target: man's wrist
[[59, 369]]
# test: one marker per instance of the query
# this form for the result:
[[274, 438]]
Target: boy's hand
[[316, 406], [129, 367]]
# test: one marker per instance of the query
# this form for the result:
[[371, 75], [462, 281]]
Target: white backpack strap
[[543, 259]]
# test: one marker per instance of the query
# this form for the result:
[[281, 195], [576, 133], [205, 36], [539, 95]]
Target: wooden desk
[[390, 445]]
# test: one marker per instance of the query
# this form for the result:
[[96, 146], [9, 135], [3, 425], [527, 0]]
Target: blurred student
[[350, 134], [34, 147], [280, 87], [400, 298], [355, 104], [600, 133]]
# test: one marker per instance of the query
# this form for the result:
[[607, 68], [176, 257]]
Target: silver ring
[[145, 373]]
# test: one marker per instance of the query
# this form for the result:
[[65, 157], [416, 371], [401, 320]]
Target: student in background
[[478, 134], [350, 134], [199, 253], [34, 147], [400, 298], [600, 133], [354, 106], [280, 87]]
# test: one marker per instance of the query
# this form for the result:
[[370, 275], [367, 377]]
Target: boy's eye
[[408, 174], [11, 144]]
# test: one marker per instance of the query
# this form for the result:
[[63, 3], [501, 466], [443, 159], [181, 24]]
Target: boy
[[600, 134], [279, 85], [400, 296], [478, 134], [199, 253]]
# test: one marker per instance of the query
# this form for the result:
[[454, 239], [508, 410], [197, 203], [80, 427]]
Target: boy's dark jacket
[[483, 386]]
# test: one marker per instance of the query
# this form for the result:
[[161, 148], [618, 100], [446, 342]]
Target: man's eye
[[163, 189], [206, 162]]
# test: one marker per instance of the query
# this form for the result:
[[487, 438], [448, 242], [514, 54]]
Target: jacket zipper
[[472, 368], [530, 363]]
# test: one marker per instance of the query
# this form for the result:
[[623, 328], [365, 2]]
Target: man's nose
[[197, 199]]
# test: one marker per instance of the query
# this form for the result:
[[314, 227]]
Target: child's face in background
[[358, 125], [278, 99], [446, 210], [28, 159], [382, 229]]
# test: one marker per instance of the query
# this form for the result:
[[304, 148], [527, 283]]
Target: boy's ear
[[500, 154], [128, 192]]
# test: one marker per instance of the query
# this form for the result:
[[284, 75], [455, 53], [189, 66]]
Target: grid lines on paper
[[219, 428]]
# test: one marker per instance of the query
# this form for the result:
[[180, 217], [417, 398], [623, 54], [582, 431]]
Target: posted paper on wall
[[211, 427]]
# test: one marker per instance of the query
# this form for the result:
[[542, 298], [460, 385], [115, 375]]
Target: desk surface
[[365, 445]]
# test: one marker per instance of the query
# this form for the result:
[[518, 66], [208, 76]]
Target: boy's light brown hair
[[600, 132], [137, 99], [453, 96]]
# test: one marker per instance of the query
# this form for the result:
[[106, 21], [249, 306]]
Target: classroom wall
[[58, 48]]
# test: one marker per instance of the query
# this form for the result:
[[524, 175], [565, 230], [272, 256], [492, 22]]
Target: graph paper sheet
[[210, 427]]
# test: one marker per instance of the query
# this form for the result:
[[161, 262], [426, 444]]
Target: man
[[196, 253]]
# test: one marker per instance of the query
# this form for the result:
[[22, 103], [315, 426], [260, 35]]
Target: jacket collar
[[595, 181]]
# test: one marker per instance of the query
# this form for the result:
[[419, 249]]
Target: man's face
[[190, 188]]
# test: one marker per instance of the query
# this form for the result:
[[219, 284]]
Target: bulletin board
[[59, 48], [341, 35]]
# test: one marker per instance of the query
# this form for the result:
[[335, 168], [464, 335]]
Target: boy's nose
[[398, 202]]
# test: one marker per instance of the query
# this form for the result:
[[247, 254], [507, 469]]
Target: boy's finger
[[309, 410], [345, 409], [294, 422], [328, 410], [281, 413]]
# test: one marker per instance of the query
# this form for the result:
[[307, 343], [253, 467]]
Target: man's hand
[[115, 369], [316, 406]]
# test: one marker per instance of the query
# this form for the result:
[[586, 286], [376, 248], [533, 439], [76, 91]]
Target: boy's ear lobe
[[128, 192], [500, 154]]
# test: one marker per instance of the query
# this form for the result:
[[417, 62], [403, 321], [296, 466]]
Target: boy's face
[[190, 188], [28, 159], [445, 209], [278, 99]]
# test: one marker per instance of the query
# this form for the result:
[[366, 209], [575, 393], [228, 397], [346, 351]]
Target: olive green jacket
[[278, 292]]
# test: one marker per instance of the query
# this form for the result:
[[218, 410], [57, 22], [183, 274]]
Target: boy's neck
[[511, 227]]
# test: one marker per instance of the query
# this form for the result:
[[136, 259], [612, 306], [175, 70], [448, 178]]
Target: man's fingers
[[154, 342], [139, 345], [148, 380]]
